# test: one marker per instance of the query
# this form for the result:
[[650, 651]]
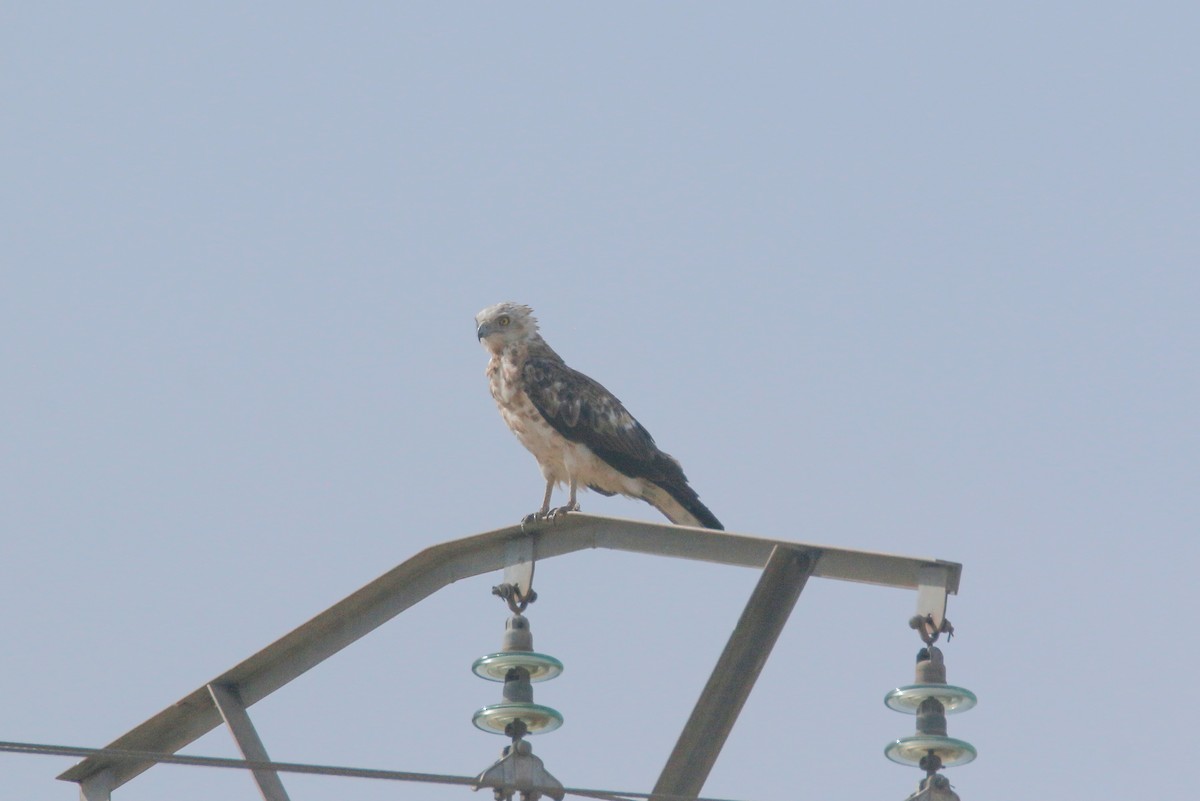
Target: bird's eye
[[504, 320]]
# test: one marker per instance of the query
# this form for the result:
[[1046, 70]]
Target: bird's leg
[[572, 504], [544, 512]]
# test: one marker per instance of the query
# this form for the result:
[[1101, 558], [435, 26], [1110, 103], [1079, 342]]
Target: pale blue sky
[[913, 277]]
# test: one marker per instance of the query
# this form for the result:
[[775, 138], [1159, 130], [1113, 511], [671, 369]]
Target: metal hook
[[928, 630], [512, 595]]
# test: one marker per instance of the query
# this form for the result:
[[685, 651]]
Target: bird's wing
[[583, 411]]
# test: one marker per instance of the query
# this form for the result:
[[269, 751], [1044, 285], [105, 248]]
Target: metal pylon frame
[[786, 567]]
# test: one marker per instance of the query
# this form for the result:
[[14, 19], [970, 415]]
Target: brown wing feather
[[583, 411]]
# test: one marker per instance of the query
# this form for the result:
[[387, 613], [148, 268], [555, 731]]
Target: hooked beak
[[481, 332]]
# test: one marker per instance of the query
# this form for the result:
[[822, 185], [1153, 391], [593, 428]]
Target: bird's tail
[[681, 505]]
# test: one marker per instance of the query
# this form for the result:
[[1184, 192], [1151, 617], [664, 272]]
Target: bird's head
[[499, 325]]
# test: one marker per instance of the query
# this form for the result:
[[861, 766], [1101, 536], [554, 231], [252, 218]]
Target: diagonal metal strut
[[233, 711], [729, 686]]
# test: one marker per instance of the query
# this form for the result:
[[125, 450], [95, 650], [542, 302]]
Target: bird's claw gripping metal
[[562, 511], [548, 515]]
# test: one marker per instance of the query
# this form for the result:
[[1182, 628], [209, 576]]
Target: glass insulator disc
[[910, 750], [494, 667], [907, 699], [538, 719]]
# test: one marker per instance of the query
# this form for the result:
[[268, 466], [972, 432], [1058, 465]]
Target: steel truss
[[786, 567]]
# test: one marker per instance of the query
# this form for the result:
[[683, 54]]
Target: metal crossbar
[[430, 570]]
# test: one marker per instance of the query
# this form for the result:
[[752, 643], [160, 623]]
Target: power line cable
[[314, 770]]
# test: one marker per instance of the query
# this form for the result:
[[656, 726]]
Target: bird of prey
[[578, 431]]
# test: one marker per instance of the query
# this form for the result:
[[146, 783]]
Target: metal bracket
[[518, 770], [517, 587], [932, 590]]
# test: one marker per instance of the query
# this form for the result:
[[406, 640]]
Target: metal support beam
[[732, 679], [98, 786], [424, 574], [229, 704]]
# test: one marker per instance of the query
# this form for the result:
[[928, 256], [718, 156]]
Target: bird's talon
[[562, 511], [536, 517]]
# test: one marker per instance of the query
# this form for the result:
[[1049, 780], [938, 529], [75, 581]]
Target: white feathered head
[[503, 323]]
